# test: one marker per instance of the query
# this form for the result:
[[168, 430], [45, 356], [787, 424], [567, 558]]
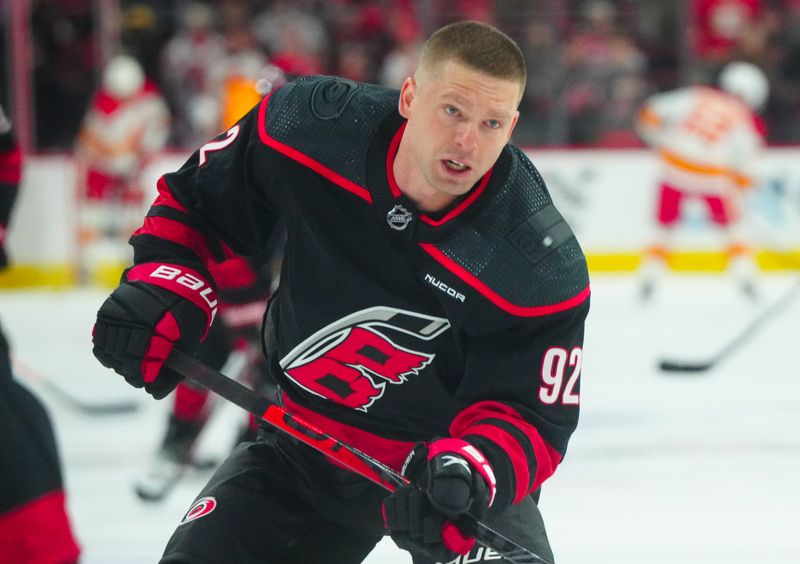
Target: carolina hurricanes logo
[[201, 508], [351, 360]]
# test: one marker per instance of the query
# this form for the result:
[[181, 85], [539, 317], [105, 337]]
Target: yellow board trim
[[104, 275], [107, 275], [692, 261], [773, 260], [27, 276], [613, 262]]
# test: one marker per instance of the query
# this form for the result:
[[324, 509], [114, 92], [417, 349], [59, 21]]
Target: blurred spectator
[[542, 49], [294, 38], [233, 78], [187, 62], [367, 23], [718, 26], [448, 11], [402, 59], [657, 25], [605, 79], [64, 61], [144, 29], [591, 62], [353, 62], [767, 43], [126, 124], [784, 115]]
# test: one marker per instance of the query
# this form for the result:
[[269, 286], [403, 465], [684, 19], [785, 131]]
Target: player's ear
[[513, 125], [407, 93]]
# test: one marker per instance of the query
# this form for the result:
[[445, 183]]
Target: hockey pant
[[276, 501]]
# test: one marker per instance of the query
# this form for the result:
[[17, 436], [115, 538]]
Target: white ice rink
[[694, 469]]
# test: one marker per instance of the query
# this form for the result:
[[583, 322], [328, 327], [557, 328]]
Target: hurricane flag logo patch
[[353, 359], [201, 508]]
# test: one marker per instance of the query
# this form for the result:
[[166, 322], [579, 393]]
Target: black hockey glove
[[157, 306], [449, 477]]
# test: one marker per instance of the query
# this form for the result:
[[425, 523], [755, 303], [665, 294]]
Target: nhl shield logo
[[398, 217]]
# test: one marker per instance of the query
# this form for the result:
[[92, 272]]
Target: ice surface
[[695, 469]]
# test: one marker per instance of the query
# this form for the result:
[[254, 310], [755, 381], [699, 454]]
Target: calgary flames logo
[[352, 360]]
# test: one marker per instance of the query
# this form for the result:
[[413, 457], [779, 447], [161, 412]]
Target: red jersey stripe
[[304, 159], [472, 421], [165, 197], [176, 232], [396, 192], [462, 206], [513, 450], [11, 166], [492, 296]]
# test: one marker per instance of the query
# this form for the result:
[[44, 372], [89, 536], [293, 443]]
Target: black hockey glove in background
[[156, 307], [449, 477]]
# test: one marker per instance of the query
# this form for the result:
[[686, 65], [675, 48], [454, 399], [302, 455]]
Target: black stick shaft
[[74, 402], [357, 461], [747, 333]]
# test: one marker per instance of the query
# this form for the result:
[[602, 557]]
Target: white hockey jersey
[[117, 136], [708, 140]]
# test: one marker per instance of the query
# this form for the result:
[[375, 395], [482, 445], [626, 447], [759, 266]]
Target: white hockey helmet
[[123, 76], [746, 81]]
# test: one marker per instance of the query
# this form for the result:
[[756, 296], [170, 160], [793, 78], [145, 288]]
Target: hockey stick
[[119, 407], [673, 365], [352, 458]]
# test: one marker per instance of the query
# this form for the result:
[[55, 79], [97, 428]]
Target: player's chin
[[455, 189], [458, 183]]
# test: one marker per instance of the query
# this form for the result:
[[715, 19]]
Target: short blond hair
[[479, 46]]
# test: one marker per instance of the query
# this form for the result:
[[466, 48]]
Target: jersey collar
[[387, 198]]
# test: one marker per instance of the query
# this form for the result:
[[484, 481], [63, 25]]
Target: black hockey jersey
[[390, 325], [10, 173]]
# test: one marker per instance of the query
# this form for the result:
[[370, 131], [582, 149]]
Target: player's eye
[[451, 110], [494, 124]]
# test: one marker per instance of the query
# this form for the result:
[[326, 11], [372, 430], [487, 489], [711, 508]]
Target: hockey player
[[431, 310], [34, 525], [708, 141], [125, 126], [244, 287]]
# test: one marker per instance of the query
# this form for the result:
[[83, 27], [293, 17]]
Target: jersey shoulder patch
[[519, 250], [330, 97], [328, 120]]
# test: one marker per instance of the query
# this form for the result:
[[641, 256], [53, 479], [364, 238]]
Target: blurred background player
[[34, 526], [233, 344], [708, 141], [126, 125]]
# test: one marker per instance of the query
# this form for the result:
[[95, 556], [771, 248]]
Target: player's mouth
[[455, 166]]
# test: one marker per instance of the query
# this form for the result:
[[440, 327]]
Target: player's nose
[[466, 136]]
